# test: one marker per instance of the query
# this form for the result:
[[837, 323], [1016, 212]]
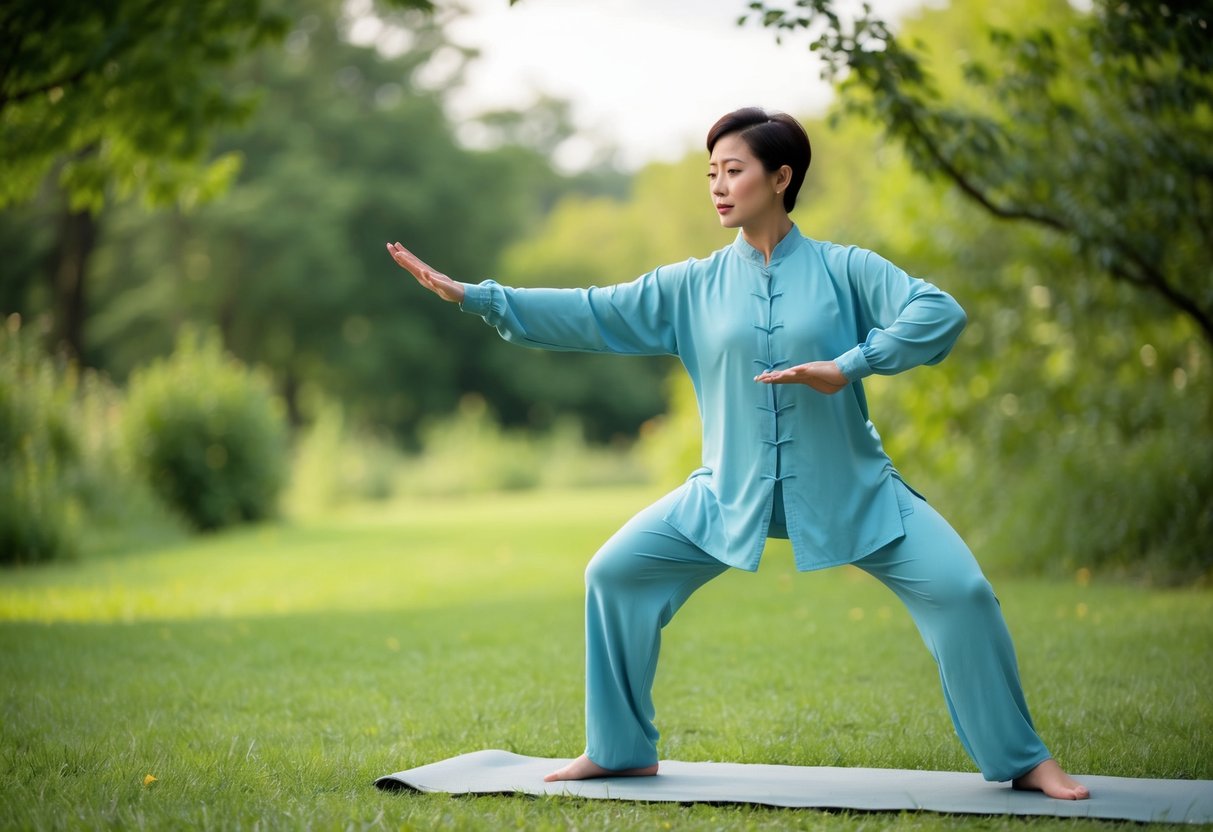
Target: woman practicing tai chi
[[776, 331]]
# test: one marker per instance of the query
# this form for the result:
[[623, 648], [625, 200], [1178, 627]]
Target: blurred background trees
[[347, 148], [118, 96], [1071, 428]]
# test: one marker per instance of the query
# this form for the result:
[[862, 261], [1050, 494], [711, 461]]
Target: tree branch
[[1148, 274], [22, 95], [113, 46], [10, 61], [972, 191], [1152, 278]]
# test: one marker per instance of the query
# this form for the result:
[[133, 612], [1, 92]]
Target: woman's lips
[[723, 209]]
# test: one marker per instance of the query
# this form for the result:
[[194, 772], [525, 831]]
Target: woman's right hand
[[435, 281]]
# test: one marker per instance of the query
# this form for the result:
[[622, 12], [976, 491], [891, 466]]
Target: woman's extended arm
[[627, 318]]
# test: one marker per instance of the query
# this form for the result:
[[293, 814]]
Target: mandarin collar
[[784, 247]]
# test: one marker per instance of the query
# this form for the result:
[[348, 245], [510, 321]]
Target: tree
[[116, 94], [1099, 129], [119, 97], [349, 149], [120, 93]]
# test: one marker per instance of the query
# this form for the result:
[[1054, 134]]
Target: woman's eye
[[734, 171]]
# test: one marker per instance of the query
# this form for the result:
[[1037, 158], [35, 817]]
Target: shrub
[[469, 452], [120, 511], [671, 445], [208, 434], [335, 464], [39, 457]]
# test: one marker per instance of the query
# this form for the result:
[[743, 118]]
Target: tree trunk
[[290, 395], [77, 238]]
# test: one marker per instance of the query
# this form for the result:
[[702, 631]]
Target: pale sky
[[649, 76]]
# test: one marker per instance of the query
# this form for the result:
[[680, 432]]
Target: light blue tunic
[[730, 316]]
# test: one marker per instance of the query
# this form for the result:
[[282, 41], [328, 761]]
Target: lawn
[[265, 677]]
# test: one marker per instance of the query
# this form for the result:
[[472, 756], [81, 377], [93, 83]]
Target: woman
[[776, 332]]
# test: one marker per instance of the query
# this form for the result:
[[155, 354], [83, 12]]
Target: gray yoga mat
[[1117, 798]]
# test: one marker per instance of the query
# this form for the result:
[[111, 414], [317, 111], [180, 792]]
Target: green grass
[[265, 677]]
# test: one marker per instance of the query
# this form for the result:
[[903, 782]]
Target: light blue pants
[[647, 570]]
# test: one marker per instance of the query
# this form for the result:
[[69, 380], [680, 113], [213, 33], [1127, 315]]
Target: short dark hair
[[775, 138]]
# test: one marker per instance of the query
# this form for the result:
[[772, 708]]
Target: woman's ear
[[784, 178]]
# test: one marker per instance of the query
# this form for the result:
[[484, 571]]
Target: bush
[[208, 434], [335, 465], [671, 445], [39, 457], [120, 512], [468, 452]]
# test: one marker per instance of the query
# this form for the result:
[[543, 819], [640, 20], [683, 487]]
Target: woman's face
[[741, 188]]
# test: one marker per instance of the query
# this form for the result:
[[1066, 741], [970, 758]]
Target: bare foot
[[1050, 779], [583, 768]]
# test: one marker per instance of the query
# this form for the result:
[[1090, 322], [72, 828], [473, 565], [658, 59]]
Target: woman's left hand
[[822, 376]]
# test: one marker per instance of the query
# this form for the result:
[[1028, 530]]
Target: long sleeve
[[907, 321], [628, 318]]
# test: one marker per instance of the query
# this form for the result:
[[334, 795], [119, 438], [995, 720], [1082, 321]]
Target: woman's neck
[[766, 233]]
